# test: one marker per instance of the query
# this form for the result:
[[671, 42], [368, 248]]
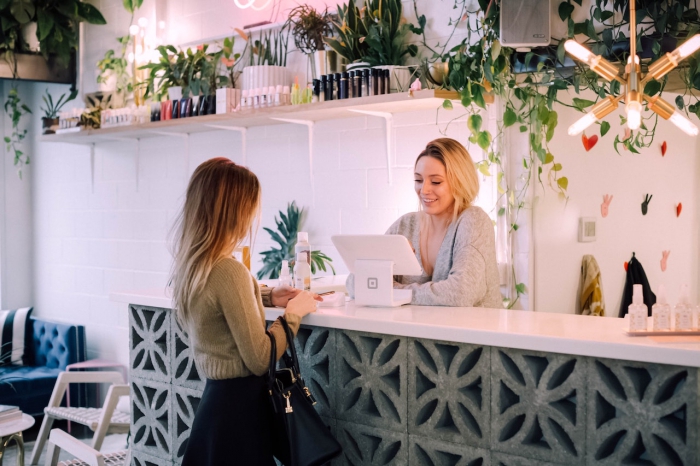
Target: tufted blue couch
[[50, 347]]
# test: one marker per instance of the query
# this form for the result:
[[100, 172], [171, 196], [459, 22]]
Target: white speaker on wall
[[525, 23]]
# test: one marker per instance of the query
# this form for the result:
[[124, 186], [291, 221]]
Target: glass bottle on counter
[[357, 83], [322, 90], [365, 83], [661, 311], [343, 88], [336, 88], [302, 273], [387, 82], [380, 83], [683, 311], [330, 90], [351, 85], [285, 277], [375, 81], [637, 311]]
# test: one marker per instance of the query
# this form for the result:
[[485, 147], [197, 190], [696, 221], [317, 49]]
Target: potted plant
[[309, 26], [49, 121], [350, 33], [267, 59], [166, 77]]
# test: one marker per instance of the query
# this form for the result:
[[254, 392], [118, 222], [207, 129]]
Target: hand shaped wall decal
[[645, 204]]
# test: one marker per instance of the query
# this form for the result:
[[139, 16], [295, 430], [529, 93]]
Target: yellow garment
[[592, 302]]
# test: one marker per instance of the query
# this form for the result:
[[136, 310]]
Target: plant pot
[[438, 71], [29, 36], [399, 77], [358, 65], [318, 63], [255, 77], [175, 93], [49, 125]]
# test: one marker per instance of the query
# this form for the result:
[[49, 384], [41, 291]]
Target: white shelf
[[390, 103]]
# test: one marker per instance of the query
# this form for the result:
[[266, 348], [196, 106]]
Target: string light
[[251, 4]]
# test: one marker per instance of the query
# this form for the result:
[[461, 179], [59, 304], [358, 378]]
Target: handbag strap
[[273, 361], [290, 345]]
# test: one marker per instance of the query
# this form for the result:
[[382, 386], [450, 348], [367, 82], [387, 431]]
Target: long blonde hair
[[460, 170], [221, 203]]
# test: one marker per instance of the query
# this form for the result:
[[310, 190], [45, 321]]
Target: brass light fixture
[[633, 82]]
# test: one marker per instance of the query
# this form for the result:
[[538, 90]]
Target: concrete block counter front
[[450, 386]]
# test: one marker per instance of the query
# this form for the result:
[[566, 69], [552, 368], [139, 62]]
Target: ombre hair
[[221, 203], [460, 170]]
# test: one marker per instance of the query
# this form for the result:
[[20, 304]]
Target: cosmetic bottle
[[336, 88], [372, 83], [380, 83], [683, 312], [307, 95], [661, 311], [323, 82], [351, 84], [285, 278], [303, 245], [330, 89], [357, 83], [278, 95], [387, 82], [343, 89], [317, 91], [244, 100], [375, 81], [637, 311], [286, 98], [296, 93], [175, 110], [302, 273], [364, 92]]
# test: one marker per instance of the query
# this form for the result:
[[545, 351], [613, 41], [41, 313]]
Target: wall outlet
[[586, 229]]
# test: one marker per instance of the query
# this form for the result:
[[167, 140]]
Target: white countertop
[[556, 333]]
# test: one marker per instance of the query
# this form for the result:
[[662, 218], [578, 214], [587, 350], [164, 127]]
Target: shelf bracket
[[310, 125], [244, 134], [389, 121], [92, 168]]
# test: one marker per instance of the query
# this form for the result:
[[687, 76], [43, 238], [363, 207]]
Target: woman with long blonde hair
[[220, 306], [453, 239]]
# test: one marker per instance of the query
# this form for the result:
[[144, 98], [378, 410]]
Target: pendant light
[[633, 82]]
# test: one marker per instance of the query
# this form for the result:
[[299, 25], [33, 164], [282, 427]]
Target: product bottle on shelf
[[683, 312], [303, 246], [285, 278], [637, 311], [661, 311], [302, 273]]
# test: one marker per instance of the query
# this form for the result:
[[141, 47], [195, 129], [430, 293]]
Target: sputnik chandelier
[[634, 82]]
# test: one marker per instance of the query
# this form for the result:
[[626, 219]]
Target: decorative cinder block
[[538, 405], [151, 418], [425, 451], [139, 458], [641, 412], [449, 394], [364, 446], [501, 459], [371, 380], [184, 370], [149, 343], [184, 407], [316, 349]]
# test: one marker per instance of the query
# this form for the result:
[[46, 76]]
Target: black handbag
[[300, 437]]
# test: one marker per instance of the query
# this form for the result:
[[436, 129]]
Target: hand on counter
[[281, 295], [303, 303]]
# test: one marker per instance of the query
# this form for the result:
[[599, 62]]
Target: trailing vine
[[16, 110]]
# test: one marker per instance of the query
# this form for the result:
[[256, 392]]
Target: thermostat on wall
[[586, 229]]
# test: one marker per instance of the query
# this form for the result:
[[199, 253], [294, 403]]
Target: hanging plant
[[16, 110]]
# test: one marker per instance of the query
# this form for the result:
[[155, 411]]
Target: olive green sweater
[[226, 324]]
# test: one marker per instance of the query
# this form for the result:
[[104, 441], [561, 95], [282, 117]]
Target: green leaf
[[565, 10], [652, 88], [606, 15], [509, 117], [90, 14], [22, 10], [44, 24], [548, 158], [556, 167], [680, 103], [484, 140], [604, 128], [484, 169], [447, 104], [474, 123], [523, 128], [563, 182], [520, 288], [582, 103], [7, 139]]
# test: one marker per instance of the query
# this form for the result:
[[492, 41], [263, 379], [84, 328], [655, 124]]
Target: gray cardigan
[[465, 274]]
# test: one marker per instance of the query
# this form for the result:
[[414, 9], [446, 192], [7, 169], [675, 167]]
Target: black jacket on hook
[[636, 276]]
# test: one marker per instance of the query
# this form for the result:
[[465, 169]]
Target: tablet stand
[[374, 284]]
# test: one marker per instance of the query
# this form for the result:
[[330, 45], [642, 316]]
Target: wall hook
[[607, 199], [679, 207], [645, 204], [664, 146], [664, 259]]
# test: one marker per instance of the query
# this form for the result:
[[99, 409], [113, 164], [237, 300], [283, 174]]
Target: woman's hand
[[281, 295], [302, 304]]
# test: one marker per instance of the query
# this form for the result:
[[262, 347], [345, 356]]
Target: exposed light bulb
[[130, 57], [634, 114], [688, 47], [684, 124], [143, 22], [134, 29], [579, 51], [582, 123], [161, 24]]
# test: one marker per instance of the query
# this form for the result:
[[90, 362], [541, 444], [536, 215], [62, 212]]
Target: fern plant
[[286, 236]]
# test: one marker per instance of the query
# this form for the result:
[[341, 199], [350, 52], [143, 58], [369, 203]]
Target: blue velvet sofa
[[49, 348]]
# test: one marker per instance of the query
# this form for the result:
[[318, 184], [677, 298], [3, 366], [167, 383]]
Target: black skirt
[[232, 426]]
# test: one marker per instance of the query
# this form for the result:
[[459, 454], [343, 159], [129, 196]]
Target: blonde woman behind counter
[[454, 241]]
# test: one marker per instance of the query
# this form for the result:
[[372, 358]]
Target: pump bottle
[[683, 312], [302, 273], [661, 311], [303, 246], [638, 311], [285, 278]]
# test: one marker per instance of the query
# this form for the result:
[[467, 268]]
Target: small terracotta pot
[[49, 125]]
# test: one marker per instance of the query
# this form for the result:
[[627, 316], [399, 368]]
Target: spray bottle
[[683, 312], [661, 311], [638, 311], [285, 278]]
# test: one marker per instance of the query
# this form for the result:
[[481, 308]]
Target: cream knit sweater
[[226, 324]]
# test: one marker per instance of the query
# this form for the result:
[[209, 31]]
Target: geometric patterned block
[[425, 451], [139, 458], [365, 446], [642, 413], [149, 343], [184, 370], [185, 402], [538, 405], [371, 380], [449, 391], [501, 459], [316, 350], [151, 418]]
